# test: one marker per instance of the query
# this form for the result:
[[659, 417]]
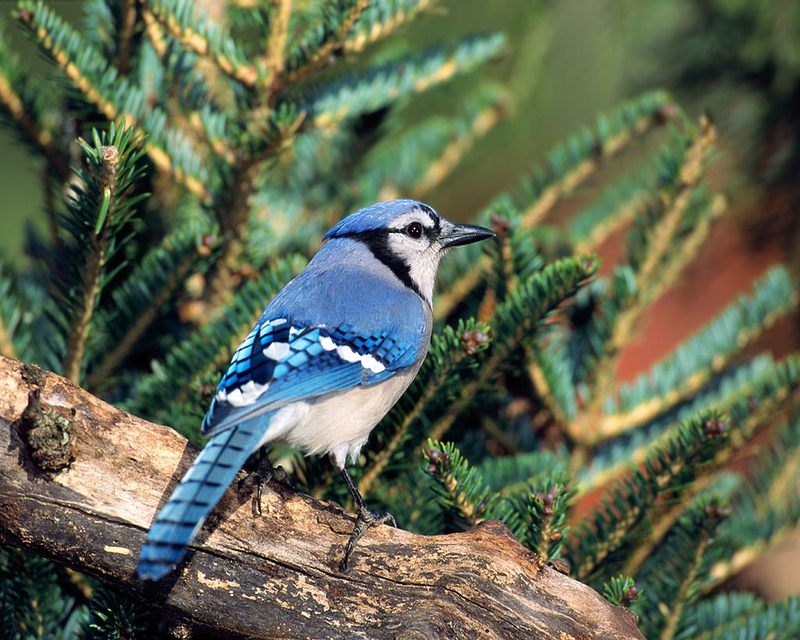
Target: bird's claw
[[366, 520], [265, 472]]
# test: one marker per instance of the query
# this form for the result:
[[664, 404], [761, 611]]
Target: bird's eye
[[414, 230]]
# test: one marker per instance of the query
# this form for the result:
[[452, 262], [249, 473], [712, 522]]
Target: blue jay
[[328, 358]]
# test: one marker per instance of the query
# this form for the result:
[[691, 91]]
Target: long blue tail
[[200, 489]]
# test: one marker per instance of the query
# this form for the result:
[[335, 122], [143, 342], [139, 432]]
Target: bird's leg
[[266, 472], [364, 521]]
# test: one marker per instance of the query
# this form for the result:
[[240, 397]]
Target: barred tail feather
[[198, 492]]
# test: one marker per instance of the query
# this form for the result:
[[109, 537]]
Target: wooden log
[[274, 576]]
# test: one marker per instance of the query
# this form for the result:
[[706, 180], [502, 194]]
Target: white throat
[[423, 274]]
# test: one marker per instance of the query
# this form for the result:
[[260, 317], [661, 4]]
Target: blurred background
[[737, 60]]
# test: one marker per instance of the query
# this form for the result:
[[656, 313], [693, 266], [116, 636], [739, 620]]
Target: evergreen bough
[[254, 135]]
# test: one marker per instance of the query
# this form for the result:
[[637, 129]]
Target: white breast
[[338, 423]]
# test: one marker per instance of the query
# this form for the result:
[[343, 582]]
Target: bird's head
[[408, 237]]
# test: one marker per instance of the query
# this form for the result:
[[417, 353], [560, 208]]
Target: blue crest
[[376, 216]]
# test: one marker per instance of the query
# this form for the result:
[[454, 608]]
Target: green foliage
[[679, 569], [112, 616], [460, 486], [731, 616], [668, 469], [34, 602], [695, 360], [347, 97], [254, 134], [621, 591]]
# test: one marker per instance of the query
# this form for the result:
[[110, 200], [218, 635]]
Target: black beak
[[458, 234]]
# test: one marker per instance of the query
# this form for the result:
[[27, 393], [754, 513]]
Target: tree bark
[[274, 576]]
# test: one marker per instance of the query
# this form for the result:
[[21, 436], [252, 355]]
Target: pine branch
[[203, 36], [127, 14], [156, 34], [748, 394], [98, 207], [731, 616], [706, 620], [690, 244], [676, 573], [23, 102], [538, 515], [233, 208], [194, 103], [621, 591], [346, 97], [381, 19], [749, 407], [636, 282], [695, 362], [693, 444], [767, 509], [568, 166], [276, 45], [616, 215], [425, 154], [209, 347], [511, 475], [571, 164], [516, 321], [114, 96], [551, 373], [462, 487], [450, 157], [331, 38], [138, 300], [620, 203]]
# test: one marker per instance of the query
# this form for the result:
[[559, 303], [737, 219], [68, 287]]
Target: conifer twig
[[556, 190], [143, 320], [543, 391], [321, 56], [232, 219], [127, 10], [93, 271], [155, 32], [673, 615], [540, 294], [247, 74], [40, 136], [381, 29], [567, 184], [193, 122], [768, 402], [158, 155], [278, 33], [586, 429], [683, 449], [624, 214], [452, 155]]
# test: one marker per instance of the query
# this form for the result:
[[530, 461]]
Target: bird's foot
[[366, 520], [264, 473]]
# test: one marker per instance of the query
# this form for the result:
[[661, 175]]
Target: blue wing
[[280, 362]]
